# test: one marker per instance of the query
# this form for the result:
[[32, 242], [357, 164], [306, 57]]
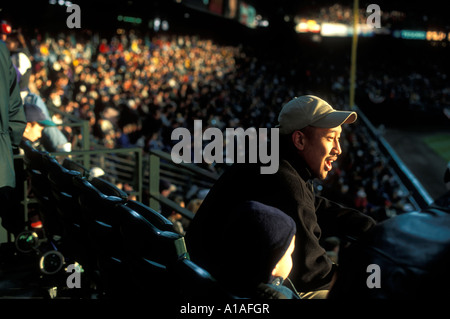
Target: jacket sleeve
[[337, 220], [17, 119]]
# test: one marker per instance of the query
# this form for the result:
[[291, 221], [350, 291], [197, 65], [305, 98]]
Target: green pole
[[154, 182]]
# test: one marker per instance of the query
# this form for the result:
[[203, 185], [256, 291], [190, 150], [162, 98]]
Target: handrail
[[420, 196], [85, 136], [155, 158], [69, 116], [190, 167], [136, 150], [166, 201], [138, 190]]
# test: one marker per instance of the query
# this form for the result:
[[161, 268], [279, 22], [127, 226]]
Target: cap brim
[[46, 123], [335, 119]]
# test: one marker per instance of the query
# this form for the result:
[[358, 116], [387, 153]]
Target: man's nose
[[337, 148]]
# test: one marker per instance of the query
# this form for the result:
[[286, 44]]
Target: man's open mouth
[[329, 163]]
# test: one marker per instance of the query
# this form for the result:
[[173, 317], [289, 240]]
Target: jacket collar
[[300, 166]]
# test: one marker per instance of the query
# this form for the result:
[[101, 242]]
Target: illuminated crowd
[[134, 90]]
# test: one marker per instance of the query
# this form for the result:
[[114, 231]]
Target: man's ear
[[298, 138]]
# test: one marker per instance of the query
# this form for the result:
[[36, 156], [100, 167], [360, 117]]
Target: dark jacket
[[275, 290], [12, 117], [288, 190], [411, 253]]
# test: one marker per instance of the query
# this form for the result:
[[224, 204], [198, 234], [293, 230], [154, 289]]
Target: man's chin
[[322, 175]]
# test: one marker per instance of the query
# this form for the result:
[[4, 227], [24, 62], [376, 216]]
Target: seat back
[[75, 244], [59, 182], [150, 252], [108, 188], [64, 193], [150, 215], [74, 166], [100, 213], [150, 243], [32, 157], [195, 282], [36, 171], [60, 178], [101, 218]]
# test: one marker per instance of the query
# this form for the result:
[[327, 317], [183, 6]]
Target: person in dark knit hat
[[257, 254]]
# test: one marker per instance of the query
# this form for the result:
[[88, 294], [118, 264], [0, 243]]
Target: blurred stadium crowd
[[134, 89]]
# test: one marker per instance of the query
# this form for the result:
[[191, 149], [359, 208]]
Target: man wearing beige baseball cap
[[309, 133], [314, 128], [310, 110]]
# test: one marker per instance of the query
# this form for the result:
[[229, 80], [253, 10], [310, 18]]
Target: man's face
[[33, 131], [11, 44], [321, 148]]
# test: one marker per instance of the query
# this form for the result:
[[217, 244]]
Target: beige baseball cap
[[313, 111]]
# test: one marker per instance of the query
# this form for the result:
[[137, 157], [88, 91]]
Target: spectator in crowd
[[310, 130], [53, 139], [175, 217], [36, 122], [194, 204], [21, 59], [12, 126], [166, 189], [5, 29]]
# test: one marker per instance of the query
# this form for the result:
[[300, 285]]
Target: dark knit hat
[[257, 236]]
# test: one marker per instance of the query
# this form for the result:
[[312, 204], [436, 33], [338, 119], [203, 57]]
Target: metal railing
[[190, 173], [109, 160], [85, 158], [144, 172], [418, 196]]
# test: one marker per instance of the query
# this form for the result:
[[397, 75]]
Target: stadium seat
[[75, 243], [151, 215], [74, 166], [101, 216], [195, 282], [36, 171], [150, 251], [108, 188], [37, 165], [32, 157], [61, 186], [50, 248], [60, 182]]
